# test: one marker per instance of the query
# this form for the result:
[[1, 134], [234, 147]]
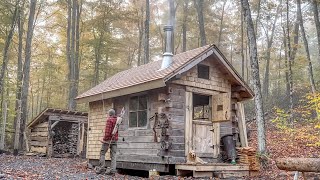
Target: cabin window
[[201, 107], [138, 111], [203, 71]]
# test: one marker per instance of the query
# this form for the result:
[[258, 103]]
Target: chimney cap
[[168, 28]]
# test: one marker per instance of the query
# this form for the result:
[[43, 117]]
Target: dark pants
[[113, 155]]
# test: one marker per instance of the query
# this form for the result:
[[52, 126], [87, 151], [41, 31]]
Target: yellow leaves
[[281, 119], [317, 144]]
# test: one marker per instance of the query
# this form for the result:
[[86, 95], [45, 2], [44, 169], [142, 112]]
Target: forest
[[53, 50]]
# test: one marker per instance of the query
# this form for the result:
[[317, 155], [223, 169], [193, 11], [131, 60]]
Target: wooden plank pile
[[247, 155]]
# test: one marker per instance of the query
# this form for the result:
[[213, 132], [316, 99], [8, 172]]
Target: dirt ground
[[281, 143], [33, 168]]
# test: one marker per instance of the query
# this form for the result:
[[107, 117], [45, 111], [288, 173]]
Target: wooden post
[[79, 139], [49, 142], [216, 139], [82, 138], [17, 130], [4, 122], [242, 125], [188, 125], [26, 140]]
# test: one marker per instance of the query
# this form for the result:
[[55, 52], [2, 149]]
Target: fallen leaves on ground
[[299, 141]]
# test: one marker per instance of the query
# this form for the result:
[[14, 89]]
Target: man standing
[[109, 141]]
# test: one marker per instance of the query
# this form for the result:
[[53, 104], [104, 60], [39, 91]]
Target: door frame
[[189, 119]]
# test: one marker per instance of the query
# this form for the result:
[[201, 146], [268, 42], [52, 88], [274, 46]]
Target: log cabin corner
[[170, 112]]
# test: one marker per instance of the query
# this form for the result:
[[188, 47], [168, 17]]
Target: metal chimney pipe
[[167, 55]]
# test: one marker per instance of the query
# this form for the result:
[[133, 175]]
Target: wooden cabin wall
[[175, 110], [96, 126], [39, 138], [138, 144]]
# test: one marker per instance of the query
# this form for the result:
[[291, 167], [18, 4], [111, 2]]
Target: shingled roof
[[150, 74]]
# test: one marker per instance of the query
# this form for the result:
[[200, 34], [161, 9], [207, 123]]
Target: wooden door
[[201, 125], [202, 138]]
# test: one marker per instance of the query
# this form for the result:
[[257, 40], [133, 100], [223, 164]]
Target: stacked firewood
[[247, 155], [73, 139], [60, 141], [65, 140]]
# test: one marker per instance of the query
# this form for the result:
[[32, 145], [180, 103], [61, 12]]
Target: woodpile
[[65, 140], [247, 155], [73, 139]]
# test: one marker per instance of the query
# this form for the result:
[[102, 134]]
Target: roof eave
[[124, 91]]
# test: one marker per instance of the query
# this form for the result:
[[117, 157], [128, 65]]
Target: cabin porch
[[219, 170]]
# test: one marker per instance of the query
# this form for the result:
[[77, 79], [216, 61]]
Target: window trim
[[147, 108]]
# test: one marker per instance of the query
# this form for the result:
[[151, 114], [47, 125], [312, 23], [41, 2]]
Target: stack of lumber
[[247, 155]]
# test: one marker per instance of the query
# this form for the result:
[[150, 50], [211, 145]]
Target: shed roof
[[46, 113], [148, 76]]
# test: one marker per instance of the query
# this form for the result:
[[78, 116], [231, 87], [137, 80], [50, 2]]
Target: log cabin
[[183, 104], [58, 133]]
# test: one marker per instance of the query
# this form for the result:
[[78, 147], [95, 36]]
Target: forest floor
[[300, 142]]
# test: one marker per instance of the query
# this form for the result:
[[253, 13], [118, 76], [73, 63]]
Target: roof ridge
[[143, 73]]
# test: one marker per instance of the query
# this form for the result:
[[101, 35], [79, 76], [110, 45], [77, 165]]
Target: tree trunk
[[146, 33], [286, 61], [77, 56], [255, 77], [306, 46], [221, 23], [299, 164], [242, 47], [68, 51], [74, 70], [258, 16], [317, 23], [184, 26], [295, 40], [97, 50], [26, 71], [173, 23], [279, 71], [5, 58], [19, 68], [140, 27], [4, 122], [266, 83], [290, 80], [17, 133], [199, 7]]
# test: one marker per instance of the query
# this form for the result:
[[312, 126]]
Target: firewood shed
[[58, 133]]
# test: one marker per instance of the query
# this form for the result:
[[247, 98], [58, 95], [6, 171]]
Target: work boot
[[110, 172], [99, 170]]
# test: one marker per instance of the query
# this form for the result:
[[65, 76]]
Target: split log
[[299, 164]]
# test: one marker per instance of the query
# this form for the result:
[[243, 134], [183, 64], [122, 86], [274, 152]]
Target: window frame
[[203, 108], [203, 66], [137, 111]]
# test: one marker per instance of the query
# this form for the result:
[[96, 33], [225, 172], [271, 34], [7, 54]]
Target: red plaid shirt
[[110, 124]]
